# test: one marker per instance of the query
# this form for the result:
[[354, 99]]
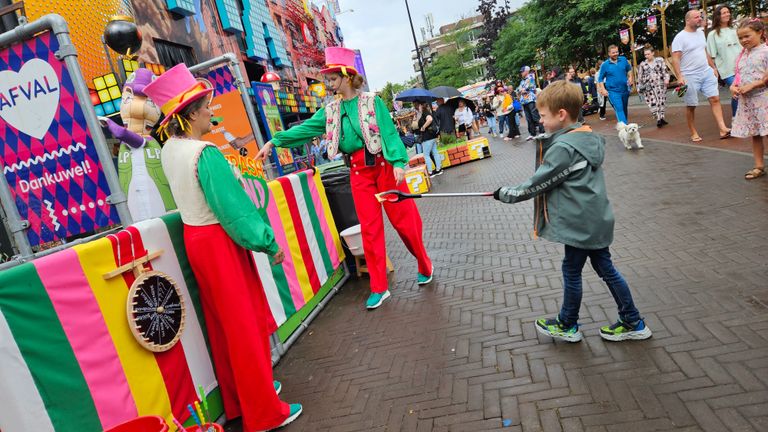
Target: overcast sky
[[381, 31]]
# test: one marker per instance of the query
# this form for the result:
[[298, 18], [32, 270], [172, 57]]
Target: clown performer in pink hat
[[358, 124], [221, 225]]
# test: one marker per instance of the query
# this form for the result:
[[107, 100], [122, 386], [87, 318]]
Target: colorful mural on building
[[86, 24]]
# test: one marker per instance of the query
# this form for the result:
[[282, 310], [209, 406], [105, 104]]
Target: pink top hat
[[174, 90], [338, 59]]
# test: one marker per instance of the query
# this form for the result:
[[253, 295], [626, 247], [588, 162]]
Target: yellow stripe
[[329, 215], [276, 191], [140, 367]]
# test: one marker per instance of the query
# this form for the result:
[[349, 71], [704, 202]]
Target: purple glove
[[121, 133]]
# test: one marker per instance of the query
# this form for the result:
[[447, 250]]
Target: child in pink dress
[[750, 87]]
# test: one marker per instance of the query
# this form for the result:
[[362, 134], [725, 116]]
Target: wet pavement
[[461, 354]]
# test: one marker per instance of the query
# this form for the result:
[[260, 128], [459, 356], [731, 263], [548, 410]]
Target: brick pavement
[[462, 354]]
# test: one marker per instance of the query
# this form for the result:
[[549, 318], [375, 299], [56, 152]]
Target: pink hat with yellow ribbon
[[174, 90], [338, 59]]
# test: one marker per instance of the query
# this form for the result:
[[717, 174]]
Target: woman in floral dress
[[652, 80]]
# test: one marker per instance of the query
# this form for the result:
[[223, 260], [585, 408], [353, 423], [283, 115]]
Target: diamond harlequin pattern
[[222, 80], [75, 204]]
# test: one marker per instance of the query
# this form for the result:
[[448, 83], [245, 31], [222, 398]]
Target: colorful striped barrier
[[68, 360]]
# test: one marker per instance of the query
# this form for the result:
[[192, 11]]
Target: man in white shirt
[[695, 68]]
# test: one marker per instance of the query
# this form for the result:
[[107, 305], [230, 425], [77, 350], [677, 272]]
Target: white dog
[[628, 134]]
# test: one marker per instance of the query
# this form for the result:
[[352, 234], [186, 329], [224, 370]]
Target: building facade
[[460, 35], [287, 37]]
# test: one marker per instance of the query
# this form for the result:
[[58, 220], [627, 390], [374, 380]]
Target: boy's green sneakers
[[278, 386], [623, 331], [555, 329], [376, 299]]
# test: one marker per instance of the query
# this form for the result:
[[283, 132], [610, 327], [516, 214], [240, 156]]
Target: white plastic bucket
[[353, 239]]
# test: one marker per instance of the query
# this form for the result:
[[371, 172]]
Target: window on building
[[171, 54]]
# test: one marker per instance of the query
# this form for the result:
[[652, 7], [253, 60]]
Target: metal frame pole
[[416, 44], [68, 54], [231, 59], [631, 22]]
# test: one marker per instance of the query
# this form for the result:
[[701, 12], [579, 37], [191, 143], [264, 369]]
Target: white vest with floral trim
[[366, 109]]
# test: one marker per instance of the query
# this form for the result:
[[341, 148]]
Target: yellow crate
[[446, 162], [475, 148], [417, 179]]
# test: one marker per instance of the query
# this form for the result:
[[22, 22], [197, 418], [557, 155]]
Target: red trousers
[[366, 181], [239, 324]]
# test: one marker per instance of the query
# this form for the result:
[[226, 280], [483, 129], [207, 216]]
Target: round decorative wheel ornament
[[155, 311]]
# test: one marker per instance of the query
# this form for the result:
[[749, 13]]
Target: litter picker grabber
[[394, 196]]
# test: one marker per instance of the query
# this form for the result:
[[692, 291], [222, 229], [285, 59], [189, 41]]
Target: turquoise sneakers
[[278, 386], [376, 299], [423, 280], [294, 413]]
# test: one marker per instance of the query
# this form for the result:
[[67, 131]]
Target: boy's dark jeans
[[573, 263]]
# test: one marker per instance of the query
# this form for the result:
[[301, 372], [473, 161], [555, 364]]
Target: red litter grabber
[[394, 196]]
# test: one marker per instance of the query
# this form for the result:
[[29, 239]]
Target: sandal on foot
[[696, 138], [754, 173], [726, 136]]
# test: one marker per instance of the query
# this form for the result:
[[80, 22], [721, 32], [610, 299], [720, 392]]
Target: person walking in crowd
[[613, 81], [571, 207], [513, 112], [572, 77], [751, 72], [408, 138], [501, 102], [527, 92], [445, 122], [652, 81], [317, 151], [514, 116], [695, 70], [490, 116], [427, 136], [464, 119], [358, 125], [723, 46], [221, 226], [590, 83], [602, 101]]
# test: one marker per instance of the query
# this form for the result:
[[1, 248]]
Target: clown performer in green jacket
[[358, 124], [571, 207]]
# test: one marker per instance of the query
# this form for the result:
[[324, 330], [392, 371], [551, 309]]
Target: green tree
[[574, 32], [388, 90], [454, 68]]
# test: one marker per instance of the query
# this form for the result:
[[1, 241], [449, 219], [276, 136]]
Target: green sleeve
[[392, 146], [233, 208], [299, 135], [558, 164]]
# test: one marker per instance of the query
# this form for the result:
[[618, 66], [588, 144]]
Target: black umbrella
[[416, 95], [446, 92], [454, 103]]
